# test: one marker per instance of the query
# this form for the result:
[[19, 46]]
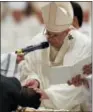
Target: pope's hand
[[87, 69], [33, 83], [42, 93], [78, 81], [20, 57]]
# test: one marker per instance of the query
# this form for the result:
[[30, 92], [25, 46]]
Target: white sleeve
[[86, 51], [27, 70], [63, 96]]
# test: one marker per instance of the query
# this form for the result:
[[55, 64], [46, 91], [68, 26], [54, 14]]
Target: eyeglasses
[[50, 35]]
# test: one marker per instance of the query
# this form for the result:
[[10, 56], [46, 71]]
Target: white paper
[[61, 74]]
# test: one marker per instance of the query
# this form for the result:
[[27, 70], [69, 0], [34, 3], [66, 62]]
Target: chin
[[56, 46]]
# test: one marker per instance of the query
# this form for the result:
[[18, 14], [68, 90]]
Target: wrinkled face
[[56, 39]]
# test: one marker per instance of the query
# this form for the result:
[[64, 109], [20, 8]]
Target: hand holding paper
[[87, 69], [78, 81], [61, 74]]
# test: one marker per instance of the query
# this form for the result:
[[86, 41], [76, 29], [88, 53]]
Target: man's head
[[58, 17], [17, 9], [56, 39], [78, 15], [30, 97]]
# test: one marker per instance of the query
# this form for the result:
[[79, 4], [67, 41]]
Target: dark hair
[[77, 10], [29, 97], [30, 9]]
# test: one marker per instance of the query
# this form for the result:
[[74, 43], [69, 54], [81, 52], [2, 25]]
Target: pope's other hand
[[78, 81], [33, 83], [87, 69]]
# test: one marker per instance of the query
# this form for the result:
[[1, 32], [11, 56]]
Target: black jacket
[[12, 95]]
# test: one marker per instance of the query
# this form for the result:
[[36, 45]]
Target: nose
[[50, 37]]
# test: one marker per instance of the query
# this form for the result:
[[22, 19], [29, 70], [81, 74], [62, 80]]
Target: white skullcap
[[17, 5], [57, 16]]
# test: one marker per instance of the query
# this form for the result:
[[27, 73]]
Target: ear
[[75, 22]]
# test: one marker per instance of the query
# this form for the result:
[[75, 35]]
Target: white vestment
[[86, 29], [61, 96], [17, 35]]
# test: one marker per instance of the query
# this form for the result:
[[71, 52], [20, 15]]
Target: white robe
[[62, 96], [86, 29], [17, 35]]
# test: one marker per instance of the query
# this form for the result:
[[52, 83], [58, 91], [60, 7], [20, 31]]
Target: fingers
[[76, 81], [87, 69], [29, 83], [42, 93], [69, 82], [20, 57], [89, 65], [85, 82], [33, 83], [38, 91]]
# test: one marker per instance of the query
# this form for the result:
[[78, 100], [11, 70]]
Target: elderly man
[[67, 46]]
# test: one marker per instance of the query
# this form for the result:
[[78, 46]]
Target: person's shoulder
[[80, 42], [80, 37]]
